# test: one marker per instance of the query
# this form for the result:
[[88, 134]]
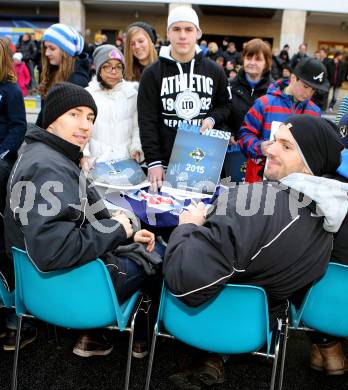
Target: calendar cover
[[196, 161]]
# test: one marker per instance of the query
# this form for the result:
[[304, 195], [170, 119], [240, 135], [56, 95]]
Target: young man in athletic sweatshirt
[[181, 87]]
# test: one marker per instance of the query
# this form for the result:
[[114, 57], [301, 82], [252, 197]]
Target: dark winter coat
[[277, 67], [28, 49], [235, 57], [13, 122], [280, 248], [336, 73], [243, 97], [297, 58], [57, 231], [213, 56], [340, 244]]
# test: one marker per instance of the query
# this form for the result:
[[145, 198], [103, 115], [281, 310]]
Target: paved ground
[[44, 367]]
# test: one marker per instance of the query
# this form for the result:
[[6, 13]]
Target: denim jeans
[[127, 276], [127, 279]]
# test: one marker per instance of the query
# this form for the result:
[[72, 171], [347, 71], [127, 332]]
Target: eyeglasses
[[109, 68]]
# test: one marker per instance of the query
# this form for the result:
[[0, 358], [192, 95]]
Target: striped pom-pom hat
[[65, 37]]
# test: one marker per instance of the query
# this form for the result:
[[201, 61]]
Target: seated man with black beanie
[[276, 234], [56, 215]]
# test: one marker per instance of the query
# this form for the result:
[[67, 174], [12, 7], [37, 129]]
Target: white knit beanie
[[183, 14], [18, 56]]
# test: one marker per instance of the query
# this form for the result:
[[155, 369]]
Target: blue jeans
[[127, 276], [128, 279]]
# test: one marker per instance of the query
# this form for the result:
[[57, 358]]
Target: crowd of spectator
[[226, 56]]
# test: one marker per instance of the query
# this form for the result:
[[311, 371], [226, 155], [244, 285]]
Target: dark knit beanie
[[146, 27], [62, 98], [318, 141]]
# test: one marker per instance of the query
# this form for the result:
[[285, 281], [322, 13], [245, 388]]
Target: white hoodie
[[115, 133]]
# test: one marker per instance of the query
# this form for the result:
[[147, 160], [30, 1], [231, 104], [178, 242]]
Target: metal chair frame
[[280, 332], [323, 318], [22, 312], [6, 297]]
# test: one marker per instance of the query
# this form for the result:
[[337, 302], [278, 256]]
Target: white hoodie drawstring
[[190, 80]]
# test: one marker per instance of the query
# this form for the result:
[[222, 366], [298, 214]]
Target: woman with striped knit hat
[[62, 60]]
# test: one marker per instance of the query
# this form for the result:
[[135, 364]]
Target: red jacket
[[23, 77]]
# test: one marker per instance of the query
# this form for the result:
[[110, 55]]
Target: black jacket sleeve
[[221, 106], [33, 50], [200, 260], [39, 118], [195, 282], [81, 75], [17, 123], [55, 235], [149, 114], [293, 61]]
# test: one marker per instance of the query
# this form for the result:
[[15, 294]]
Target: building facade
[[318, 23]]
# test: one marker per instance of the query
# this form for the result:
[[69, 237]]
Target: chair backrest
[[81, 297], [234, 321], [6, 297], [325, 307]]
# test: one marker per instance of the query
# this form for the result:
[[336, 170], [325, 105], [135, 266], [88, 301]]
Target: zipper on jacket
[[252, 91]]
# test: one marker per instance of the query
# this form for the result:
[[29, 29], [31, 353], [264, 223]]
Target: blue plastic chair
[[6, 297], [233, 322], [325, 306], [80, 298]]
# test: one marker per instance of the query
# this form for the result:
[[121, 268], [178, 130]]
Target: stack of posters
[[119, 174]]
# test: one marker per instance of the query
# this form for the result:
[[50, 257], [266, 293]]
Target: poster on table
[[119, 174], [196, 162]]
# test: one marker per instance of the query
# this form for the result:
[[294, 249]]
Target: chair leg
[[129, 356], [16, 355], [48, 333], [276, 353], [282, 365], [152, 354], [56, 335], [130, 346], [148, 308]]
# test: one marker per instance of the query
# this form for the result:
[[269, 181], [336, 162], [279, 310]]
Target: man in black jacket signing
[[276, 234], [56, 215]]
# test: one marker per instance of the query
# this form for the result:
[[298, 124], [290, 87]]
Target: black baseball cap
[[313, 73], [343, 129]]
